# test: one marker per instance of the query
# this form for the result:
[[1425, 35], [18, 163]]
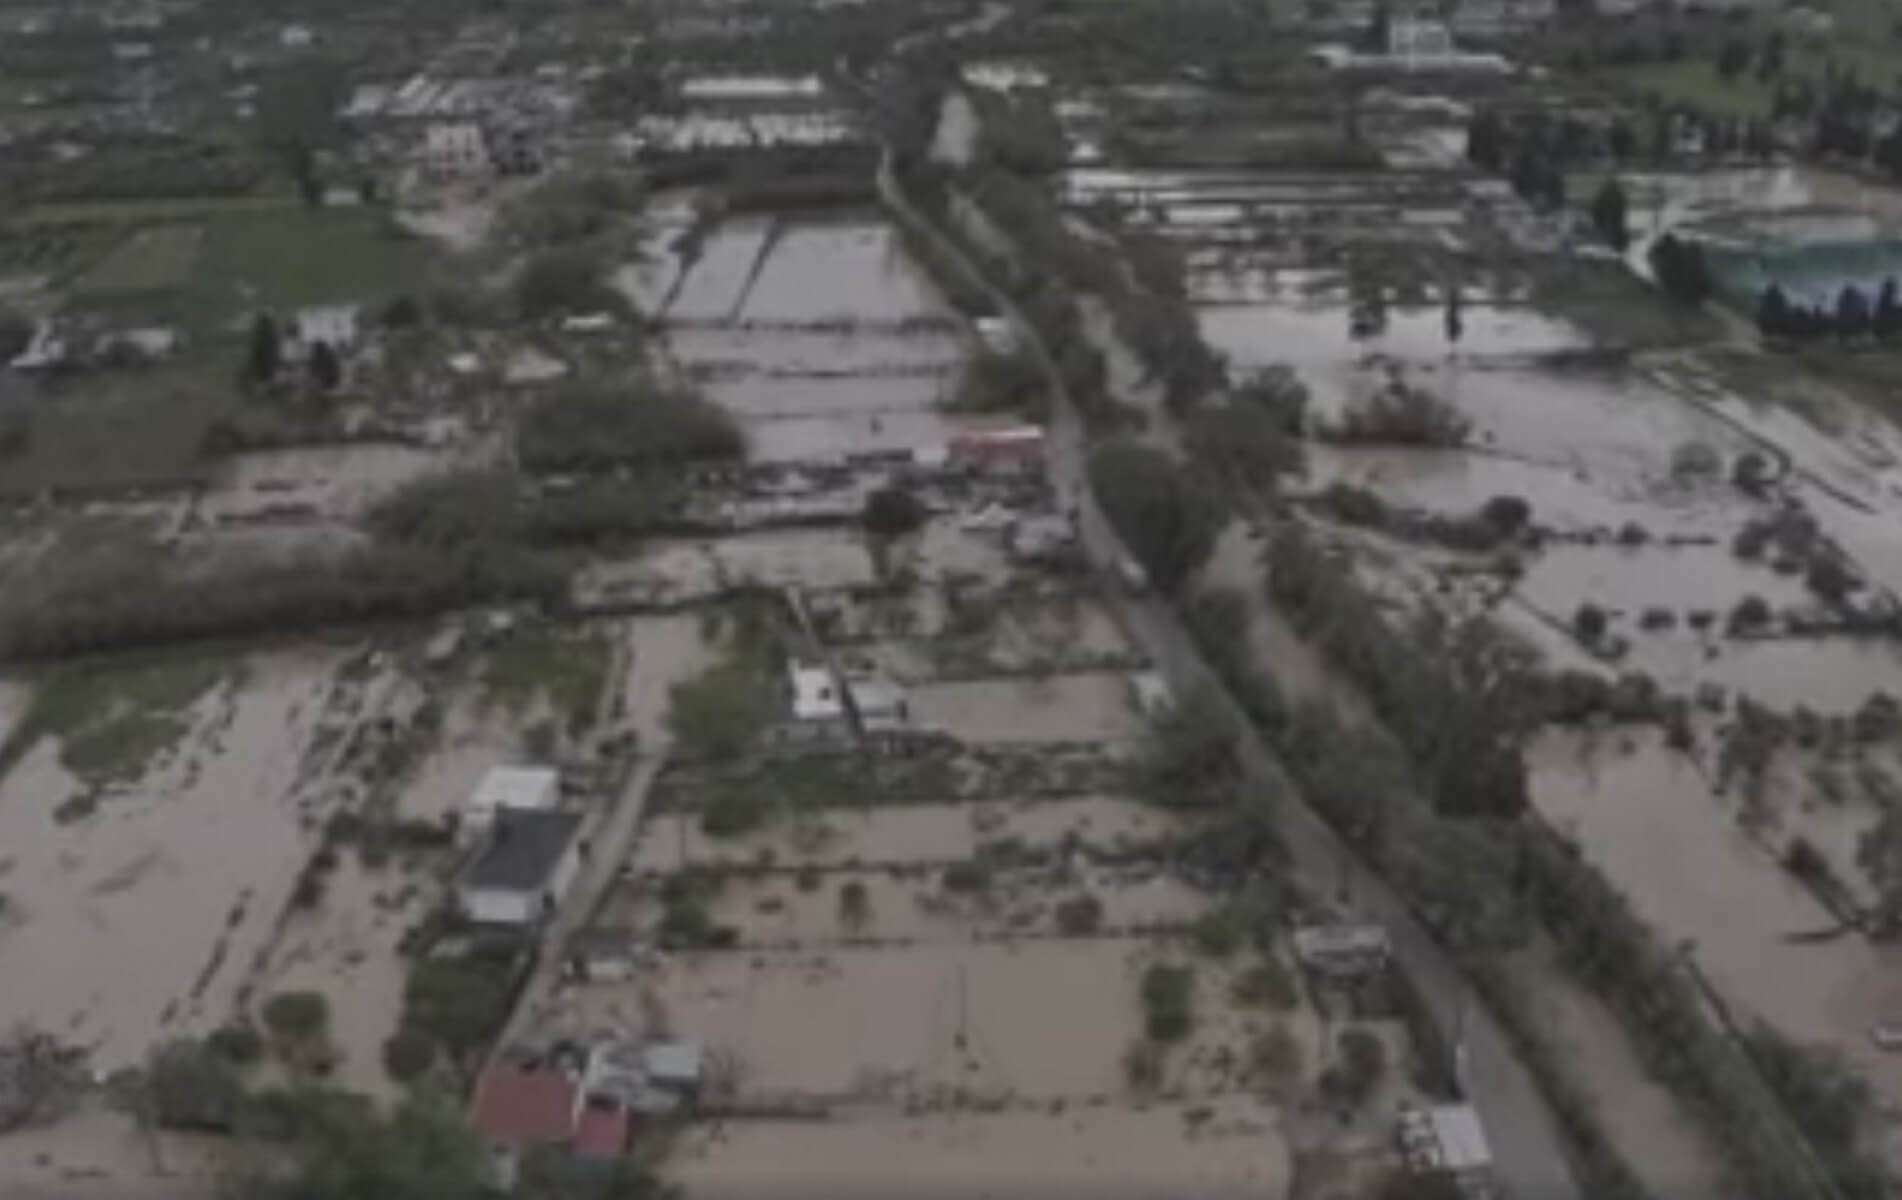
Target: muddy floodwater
[[1647, 818], [139, 921], [1097, 707]]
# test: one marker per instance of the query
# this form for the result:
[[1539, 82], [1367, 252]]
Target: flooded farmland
[[143, 873]]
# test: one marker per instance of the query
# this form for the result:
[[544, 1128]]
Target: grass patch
[[138, 211], [566, 667], [154, 259], [123, 428], [1696, 81], [112, 720]]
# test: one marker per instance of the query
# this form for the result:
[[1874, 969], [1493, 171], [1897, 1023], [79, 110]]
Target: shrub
[[598, 426], [1142, 1065], [1508, 514], [1168, 1000], [892, 512], [407, 1053], [1218, 934], [297, 1015], [733, 811], [1363, 1060], [238, 1045], [1079, 916], [1589, 622], [1268, 983], [967, 878], [1751, 614]]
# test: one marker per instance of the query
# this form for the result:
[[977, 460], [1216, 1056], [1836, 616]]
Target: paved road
[[1528, 1151], [608, 846]]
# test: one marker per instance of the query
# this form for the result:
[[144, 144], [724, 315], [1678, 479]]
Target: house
[[517, 789], [880, 706], [602, 1134], [675, 1067], [606, 955], [524, 868], [1449, 1140], [517, 1108], [1152, 694], [454, 149], [1041, 539], [1342, 950], [1015, 450], [335, 325], [817, 704]]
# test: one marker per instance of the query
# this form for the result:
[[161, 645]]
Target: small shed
[[673, 1065]]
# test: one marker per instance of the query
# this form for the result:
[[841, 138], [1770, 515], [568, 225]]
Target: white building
[[1448, 1139], [333, 324], [815, 693], [523, 870], [1152, 694], [506, 789], [881, 705], [455, 149]]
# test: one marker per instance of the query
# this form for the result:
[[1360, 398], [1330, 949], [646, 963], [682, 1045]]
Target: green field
[[123, 427], [155, 259], [211, 276], [1697, 82]]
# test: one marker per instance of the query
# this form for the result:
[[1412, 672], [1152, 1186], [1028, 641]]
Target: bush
[[1751, 614], [594, 426], [1589, 622], [297, 1015], [564, 281], [892, 512], [967, 878], [407, 1053], [1363, 1061], [1079, 916], [1168, 1000], [1218, 933], [1268, 983], [238, 1045], [1508, 514], [1142, 1065], [733, 811]]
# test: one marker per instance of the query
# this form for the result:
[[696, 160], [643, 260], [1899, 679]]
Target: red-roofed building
[[1017, 449], [516, 1107], [601, 1133]]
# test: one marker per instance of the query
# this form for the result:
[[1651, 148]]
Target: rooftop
[[518, 788], [815, 692], [522, 852], [601, 1133], [517, 1105]]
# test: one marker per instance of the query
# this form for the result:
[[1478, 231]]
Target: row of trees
[[594, 426], [1852, 316]]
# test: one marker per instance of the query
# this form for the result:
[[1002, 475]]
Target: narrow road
[[1529, 1154], [608, 845]]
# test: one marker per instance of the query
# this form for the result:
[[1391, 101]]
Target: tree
[[564, 280], [341, 1147], [1852, 312], [1460, 878], [1191, 759], [1733, 58], [185, 1085], [1774, 318], [1680, 268], [1485, 140], [1079, 916], [1242, 443], [1887, 320], [892, 511], [297, 1016], [1609, 214], [1455, 322], [325, 369], [1879, 854], [1168, 1001], [1363, 1061], [407, 1053], [16, 334], [1375, 38], [636, 421], [855, 905], [266, 350], [1589, 622], [1166, 516]]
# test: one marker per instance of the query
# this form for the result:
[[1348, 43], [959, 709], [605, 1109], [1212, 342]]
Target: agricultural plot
[[131, 784], [154, 259], [123, 429], [819, 335]]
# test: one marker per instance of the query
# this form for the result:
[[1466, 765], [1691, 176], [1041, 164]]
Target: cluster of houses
[[589, 1103]]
